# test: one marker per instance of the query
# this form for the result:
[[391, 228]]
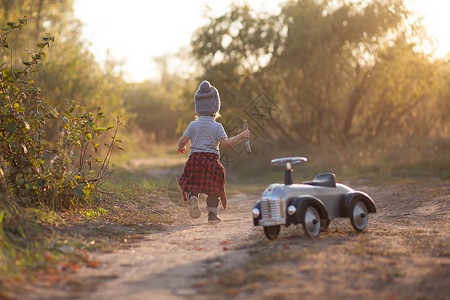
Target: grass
[[397, 160], [38, 243], [127, 184], [27, 244], [166, 150]]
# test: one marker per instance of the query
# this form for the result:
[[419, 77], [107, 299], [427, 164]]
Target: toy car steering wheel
[[287, 160]]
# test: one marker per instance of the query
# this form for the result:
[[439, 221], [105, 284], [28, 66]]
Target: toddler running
[[203, 173]]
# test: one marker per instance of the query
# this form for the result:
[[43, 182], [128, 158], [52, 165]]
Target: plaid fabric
[[204, 173]]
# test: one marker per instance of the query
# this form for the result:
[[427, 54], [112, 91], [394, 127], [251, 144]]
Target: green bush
[[34, 171]]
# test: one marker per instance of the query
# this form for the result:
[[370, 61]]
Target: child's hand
[[245, 134], [182, 150]]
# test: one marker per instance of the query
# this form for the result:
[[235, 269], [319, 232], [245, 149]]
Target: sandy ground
[[403, 254]]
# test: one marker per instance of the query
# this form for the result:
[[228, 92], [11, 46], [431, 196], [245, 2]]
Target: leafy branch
[[35, 170]]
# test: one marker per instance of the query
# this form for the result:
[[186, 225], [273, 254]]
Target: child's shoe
[[194, 208], [213, 217]]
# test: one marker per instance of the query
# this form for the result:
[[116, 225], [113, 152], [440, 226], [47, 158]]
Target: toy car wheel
[[359, 215], [272, 232], [324, 223], [311, 221]]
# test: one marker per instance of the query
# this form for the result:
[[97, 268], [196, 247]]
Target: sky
[[134, 32]]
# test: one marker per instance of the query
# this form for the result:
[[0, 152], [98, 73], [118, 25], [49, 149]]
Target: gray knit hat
[[207, 100]]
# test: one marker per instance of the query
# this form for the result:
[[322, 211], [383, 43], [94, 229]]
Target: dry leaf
[[93, 263], [226, 243]]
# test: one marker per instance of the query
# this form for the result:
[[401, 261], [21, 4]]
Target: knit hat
[[207, 100]]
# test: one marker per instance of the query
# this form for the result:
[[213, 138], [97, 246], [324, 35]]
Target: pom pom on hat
[[205, 87], [207, 100]]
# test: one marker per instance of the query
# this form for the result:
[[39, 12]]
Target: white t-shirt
[[205, 134]]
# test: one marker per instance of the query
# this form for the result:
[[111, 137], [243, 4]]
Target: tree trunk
[[6, 6], [355, 99], [38, 21]]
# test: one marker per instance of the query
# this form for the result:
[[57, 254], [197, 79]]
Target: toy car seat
[[323, 179]]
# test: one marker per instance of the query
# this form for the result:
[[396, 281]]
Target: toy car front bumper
[[272, 222]]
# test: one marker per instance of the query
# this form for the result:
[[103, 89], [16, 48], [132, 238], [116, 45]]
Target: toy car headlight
[[291, 210], [255, 213]]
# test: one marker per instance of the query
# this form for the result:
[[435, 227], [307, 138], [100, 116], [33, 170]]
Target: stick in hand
[[247, 143]]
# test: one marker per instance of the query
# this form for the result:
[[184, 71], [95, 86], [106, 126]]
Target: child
[[203, 172]]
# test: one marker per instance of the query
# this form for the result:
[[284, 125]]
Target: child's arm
[[182, 144], [231, 142]]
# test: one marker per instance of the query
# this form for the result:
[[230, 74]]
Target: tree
[[71, 71], [151, 106], [54, 16], [337, 69], [231, 48]]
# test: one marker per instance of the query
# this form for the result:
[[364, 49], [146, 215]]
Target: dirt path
[[404, 254], [169, 262]]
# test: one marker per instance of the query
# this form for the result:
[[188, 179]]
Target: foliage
[[70, 71], [35, 171], [338, 71], [42, 15], [240, 38], [39, 177], [231, 49], [150, 105]]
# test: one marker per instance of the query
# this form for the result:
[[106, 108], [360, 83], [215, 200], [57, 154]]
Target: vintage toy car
[[312, 203]]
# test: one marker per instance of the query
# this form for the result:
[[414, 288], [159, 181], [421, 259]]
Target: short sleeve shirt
[[205, 134]]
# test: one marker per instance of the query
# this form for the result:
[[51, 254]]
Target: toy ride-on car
[[312, 203]]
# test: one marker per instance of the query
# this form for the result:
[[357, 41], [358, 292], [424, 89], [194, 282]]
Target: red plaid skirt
[[204, 173]]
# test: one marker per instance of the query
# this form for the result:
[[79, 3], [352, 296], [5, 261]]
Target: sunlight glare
[[135, 32]]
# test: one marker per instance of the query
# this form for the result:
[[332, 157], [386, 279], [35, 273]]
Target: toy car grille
[[270, 208]]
